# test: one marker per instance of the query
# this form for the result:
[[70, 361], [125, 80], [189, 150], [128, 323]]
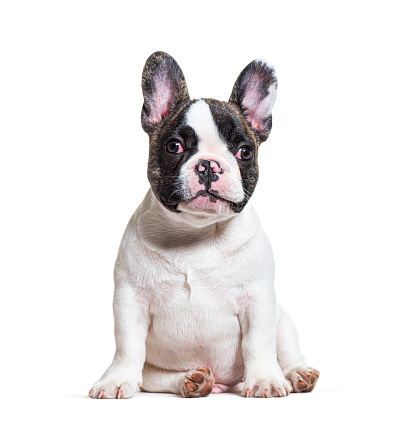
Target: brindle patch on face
[[234, 130], [164, 167]]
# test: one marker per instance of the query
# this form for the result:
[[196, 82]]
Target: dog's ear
[[254, 93], [163, 87]]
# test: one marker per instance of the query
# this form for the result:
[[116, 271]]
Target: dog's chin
[[207, 205]]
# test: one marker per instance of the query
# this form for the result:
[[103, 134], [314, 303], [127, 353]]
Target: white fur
[[193, 291]]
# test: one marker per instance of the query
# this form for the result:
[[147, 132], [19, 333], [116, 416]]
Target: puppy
[[194, 304]]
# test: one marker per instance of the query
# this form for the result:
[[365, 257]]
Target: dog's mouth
[[208, 201]]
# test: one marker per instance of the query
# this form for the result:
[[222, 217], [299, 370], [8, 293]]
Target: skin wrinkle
[[144, 244]]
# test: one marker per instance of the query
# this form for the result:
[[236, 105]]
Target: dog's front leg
[[263, 376], [132, 320]]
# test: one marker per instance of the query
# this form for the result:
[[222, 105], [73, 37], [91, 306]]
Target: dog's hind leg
[[302, 377], [198, 382]]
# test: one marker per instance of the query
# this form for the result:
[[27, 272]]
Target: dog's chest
[[199, 296], [194, 320], [193, 284]]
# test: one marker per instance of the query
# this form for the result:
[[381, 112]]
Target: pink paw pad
[[198, 383]]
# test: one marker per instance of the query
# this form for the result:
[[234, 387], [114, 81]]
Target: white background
[[333, 193]]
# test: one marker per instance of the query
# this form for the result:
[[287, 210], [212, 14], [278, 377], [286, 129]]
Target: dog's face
[[203, 153]]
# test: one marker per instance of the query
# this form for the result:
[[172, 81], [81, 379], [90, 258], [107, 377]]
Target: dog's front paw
[[198, 383], [303, 380], [113, 389], [267, 387]]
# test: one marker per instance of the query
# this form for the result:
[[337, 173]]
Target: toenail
[[205, 369]]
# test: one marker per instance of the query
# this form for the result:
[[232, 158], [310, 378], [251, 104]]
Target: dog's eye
[[174, 147], [244, 153]]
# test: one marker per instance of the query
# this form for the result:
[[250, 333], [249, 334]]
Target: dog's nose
[[209, 166], [208, 171]]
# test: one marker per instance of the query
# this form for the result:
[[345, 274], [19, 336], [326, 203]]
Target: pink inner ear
[[258, 110], [250, 102], [254, 123], [257, 126], [161, 99]]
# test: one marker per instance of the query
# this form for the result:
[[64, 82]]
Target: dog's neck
[[164, 230]]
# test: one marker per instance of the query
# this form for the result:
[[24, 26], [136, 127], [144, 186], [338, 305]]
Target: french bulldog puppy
[[194, 304]]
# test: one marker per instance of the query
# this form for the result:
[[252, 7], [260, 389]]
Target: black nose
[[208, 171]]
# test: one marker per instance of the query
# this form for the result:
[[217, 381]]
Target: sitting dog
[[194, 304]]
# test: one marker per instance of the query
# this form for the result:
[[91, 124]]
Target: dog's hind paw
[[198, 383], [303, 380]]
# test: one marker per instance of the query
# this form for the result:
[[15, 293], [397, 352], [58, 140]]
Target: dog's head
[[203, 153]]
